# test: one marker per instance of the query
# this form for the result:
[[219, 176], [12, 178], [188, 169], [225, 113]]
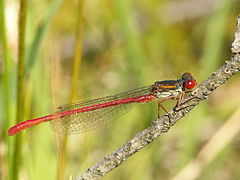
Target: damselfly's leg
[[181, 105], [160, 106], [180, 99]]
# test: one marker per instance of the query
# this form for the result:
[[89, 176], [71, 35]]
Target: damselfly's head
[[188, 81]]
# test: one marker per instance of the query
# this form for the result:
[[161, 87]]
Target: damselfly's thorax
[[163, 89]]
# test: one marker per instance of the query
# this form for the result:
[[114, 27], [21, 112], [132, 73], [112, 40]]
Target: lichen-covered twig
[[163, 124]]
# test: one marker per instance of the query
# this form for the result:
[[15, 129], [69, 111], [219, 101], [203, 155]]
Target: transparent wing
[[90, 120]]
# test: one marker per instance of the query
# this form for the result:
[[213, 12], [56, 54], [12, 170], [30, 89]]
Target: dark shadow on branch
[[163, 124]]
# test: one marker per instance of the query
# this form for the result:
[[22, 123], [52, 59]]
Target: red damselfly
[[87, 115]]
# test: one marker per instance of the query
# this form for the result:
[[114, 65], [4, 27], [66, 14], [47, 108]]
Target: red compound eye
[[190, 84]]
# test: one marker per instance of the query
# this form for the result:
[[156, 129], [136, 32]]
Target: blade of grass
[[20, 88], [74, 87], [31, 58], [78, 52], [134, 56]]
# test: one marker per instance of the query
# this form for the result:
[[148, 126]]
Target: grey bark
[[163, 124]]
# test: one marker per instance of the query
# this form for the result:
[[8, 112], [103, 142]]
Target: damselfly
[[87, 115]]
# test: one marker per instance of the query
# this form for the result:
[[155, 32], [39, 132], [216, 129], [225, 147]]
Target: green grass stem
[[7, 116], [6, 68], [16, 160]]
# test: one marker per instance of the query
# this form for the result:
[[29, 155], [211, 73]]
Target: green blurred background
[[79, 50]]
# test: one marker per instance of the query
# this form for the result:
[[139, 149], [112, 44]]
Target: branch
[[163, 124]]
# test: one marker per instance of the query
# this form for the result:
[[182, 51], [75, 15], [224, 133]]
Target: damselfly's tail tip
[[12, 131]]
